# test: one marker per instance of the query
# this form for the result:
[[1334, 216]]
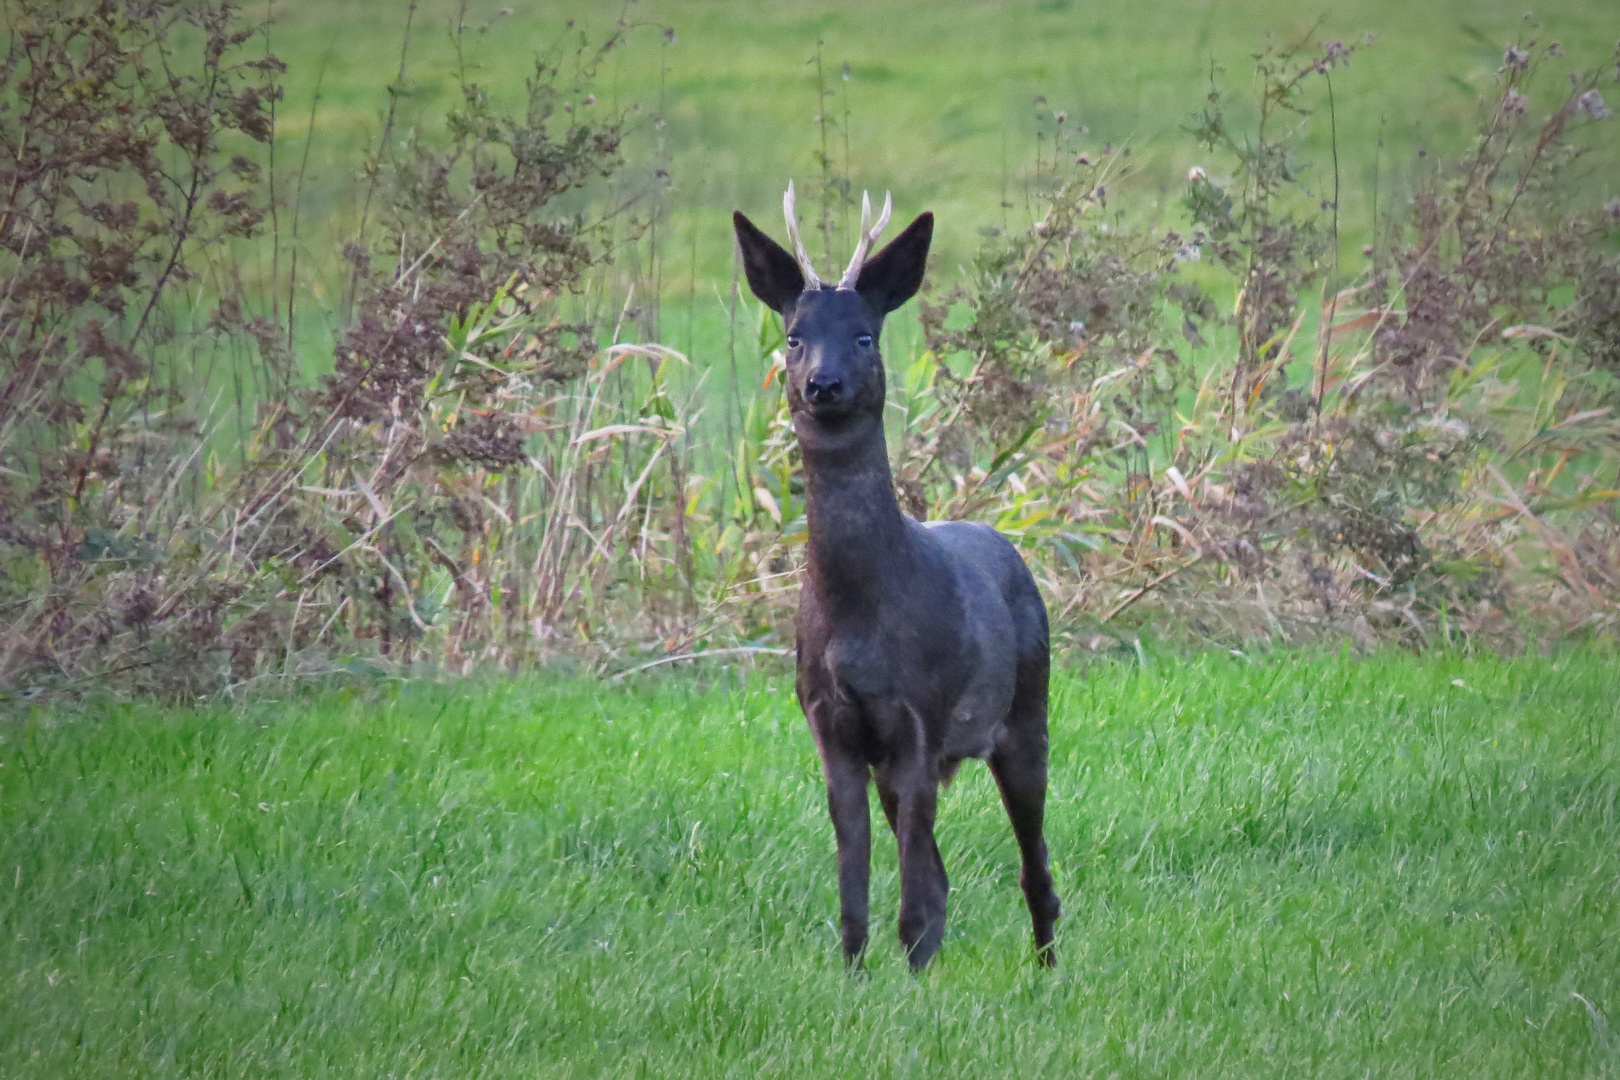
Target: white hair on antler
[[869, 234], [791, 212]]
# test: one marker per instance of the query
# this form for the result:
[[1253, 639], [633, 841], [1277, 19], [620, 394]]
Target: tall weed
[[1208, 432]]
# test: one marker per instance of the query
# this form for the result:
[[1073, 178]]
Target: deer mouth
[[825, 403], [831, 412]]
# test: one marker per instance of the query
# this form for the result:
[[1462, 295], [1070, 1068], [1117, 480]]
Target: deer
[[918, 644]]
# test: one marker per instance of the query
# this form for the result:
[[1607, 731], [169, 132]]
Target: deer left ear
[[893, 275], [773, 274]]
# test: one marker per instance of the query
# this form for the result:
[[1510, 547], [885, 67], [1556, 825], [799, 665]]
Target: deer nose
[[824, 390]]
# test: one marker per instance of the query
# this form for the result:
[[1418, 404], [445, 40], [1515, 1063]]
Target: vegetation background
[[940, 98], [413, 333]]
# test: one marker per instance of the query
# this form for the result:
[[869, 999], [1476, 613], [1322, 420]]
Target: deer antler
[[791, 212], [869, 233]]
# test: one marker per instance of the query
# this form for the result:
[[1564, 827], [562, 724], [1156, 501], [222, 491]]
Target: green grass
[[940, 110], [940, 99], [1299, 867]]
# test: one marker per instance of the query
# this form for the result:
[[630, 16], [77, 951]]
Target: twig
[[1145, 589], [298, 198], [1332, 308], [739, 650], [395, 90]]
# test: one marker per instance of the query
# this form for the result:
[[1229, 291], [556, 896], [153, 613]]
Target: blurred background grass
[[940, 98]]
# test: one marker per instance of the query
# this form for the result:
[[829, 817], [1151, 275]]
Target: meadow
[[1331, 862], [1287, 865], [934, 101]]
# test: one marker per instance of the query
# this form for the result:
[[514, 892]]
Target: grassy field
[[1296, 867], [940, 99], [944, 104]]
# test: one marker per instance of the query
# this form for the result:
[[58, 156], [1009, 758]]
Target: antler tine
[[883, 218], [869, 234], [791, 212]]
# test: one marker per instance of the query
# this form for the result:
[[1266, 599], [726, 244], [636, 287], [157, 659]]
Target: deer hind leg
[[915, 912], [852, 826], [1019, 766], [913, 796]]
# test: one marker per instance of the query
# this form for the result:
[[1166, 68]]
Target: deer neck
[[857, 531]]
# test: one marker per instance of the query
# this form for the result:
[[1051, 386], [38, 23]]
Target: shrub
[[1400, 474], [458, 488], [487, 475]]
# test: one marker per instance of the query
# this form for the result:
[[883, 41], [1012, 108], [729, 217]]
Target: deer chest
[[860, 666]]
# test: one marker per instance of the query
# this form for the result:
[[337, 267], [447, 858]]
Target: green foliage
[[380, 507], [1264, 237], [1296, 481], [131, 137], [501, 465]]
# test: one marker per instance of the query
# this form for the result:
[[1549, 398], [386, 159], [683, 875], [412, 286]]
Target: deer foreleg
[[846, 800]]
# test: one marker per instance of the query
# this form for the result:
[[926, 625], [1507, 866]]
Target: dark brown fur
[[919, 644]]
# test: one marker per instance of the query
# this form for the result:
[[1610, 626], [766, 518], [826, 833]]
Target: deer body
[[919, 644]]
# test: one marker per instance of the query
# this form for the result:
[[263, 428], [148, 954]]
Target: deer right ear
[[893, 275], [773, 274]]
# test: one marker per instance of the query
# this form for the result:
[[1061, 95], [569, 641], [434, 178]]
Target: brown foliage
[[1426, 450]]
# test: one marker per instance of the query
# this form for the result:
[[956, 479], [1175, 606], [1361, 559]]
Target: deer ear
[[893, 275], [773, 274]]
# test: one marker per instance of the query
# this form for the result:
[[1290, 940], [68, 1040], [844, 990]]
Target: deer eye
[[793, 341], [864, 341]]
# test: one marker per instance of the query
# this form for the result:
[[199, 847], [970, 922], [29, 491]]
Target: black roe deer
[[919, 644]]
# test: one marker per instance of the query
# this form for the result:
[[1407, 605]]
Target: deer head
[[834, 369]]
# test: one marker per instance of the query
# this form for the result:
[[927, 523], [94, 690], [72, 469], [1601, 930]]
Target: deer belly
[[978, 718]]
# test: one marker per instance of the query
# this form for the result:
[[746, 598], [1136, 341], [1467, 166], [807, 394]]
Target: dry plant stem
[[298, 202], [1329, 282], [395, 89], [1143, 591], [705, 654], [476, 462]]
